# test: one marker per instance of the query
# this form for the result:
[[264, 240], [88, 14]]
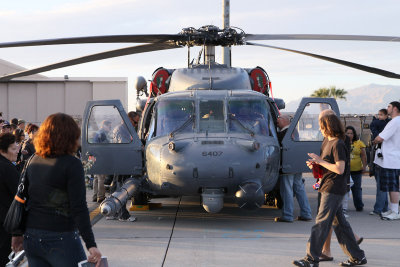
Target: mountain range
[[366, 99]]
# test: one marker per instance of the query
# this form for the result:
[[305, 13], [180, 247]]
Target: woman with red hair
[[56, 203]]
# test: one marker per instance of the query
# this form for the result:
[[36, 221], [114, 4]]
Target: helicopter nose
[[250, 196]]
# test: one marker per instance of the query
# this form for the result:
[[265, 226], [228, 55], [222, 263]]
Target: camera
[[379, 153]]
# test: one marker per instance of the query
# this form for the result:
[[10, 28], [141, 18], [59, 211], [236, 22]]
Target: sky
[[293, 76]]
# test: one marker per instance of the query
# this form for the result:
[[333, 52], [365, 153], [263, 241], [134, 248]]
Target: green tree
[[330, 92]]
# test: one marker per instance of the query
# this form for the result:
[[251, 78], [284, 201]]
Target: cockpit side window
[[212, 116], [249, 115], [172, 115], [107, 126], [307, 127]]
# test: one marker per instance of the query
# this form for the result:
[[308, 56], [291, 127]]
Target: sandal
[[324, 257]]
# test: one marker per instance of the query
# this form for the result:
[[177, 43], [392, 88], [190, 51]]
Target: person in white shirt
[[388, 161]]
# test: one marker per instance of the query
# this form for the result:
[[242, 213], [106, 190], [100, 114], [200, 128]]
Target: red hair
[[58, 135]]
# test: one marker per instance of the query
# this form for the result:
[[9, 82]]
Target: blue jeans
[[381, 202], [357, 191], [46, 248], [292, 184]]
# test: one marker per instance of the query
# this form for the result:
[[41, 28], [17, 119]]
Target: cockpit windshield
[[212, 116], [172, 114], [248, 116]]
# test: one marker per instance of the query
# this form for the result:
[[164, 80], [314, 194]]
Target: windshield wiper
[[241, 124], [183, 126]]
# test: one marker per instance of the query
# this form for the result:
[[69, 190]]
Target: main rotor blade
[[338, 61], [133, 38], [321, 37], [94, 57]]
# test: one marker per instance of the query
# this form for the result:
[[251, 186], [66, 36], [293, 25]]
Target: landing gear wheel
[[140, 198], [273, 199]]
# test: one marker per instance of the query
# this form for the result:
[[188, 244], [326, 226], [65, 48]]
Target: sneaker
[[345, 214], [280, 219], [130, 219], [305, 263], [374, 213], [355, 262], [112, 218], [391, 216], [386, 213]]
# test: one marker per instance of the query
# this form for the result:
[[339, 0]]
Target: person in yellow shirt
[[358, 163]]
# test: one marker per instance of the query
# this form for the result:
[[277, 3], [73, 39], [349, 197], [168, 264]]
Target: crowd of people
[[58, 213]]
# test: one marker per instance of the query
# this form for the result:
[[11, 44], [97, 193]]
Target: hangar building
[[34, 97]]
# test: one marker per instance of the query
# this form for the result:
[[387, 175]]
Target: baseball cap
[[20, 122]]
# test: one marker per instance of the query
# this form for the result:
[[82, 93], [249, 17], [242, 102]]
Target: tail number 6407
[[211, 153]]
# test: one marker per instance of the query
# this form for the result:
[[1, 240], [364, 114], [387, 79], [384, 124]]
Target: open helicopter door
[[303, 135], [110, 144]]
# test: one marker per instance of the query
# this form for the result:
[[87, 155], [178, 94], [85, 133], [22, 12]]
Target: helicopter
[[206, 130]]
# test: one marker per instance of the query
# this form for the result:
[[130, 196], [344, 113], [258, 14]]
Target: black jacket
[[57, 196], [9, 178]]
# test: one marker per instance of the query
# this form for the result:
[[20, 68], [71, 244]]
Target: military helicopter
[[206, 130]]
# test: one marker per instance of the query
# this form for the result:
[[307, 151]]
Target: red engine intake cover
[[260, 80], [158, 84]]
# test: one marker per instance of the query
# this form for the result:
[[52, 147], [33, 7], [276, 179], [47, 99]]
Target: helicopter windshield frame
[[222, 114]]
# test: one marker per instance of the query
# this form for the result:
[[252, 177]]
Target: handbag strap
[[22, 183]]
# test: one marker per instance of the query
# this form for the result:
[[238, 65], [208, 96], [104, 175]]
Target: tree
[[330, 92]]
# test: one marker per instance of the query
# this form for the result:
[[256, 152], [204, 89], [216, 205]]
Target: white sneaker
[[391, 216], [130, 219], [383, 214], [111, 218]]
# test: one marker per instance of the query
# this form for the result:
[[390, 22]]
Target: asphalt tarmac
[[181, 233]]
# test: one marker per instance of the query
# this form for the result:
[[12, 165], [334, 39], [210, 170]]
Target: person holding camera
[[388, 161], [377, 126]]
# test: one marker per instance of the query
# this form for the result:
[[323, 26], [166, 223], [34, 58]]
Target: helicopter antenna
[[226, 50]]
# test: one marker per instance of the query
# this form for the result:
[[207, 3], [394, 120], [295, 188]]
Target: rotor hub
[[210, 35]]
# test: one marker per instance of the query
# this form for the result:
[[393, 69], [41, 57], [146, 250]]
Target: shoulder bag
[[15, 218]]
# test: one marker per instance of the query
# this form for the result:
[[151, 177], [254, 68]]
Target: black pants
[[5, 246], [330, 213]]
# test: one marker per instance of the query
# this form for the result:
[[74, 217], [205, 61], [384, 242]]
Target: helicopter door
[[110, 144], [303, 135]]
